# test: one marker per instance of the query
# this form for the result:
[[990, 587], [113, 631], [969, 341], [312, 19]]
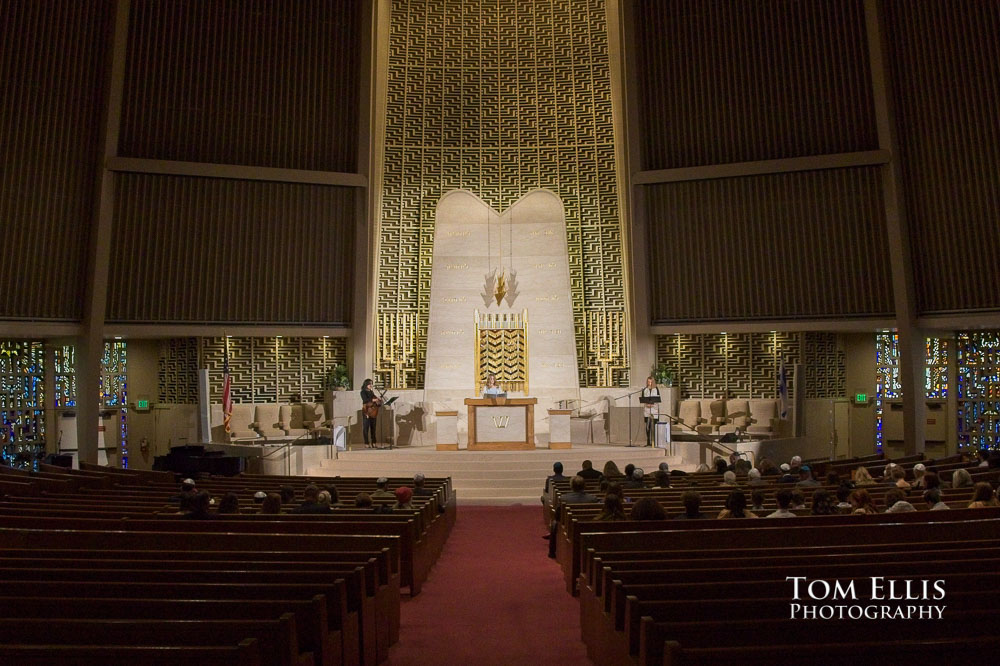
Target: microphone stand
[[381, 426]]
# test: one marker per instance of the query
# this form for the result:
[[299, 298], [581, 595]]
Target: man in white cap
[[418, 486]]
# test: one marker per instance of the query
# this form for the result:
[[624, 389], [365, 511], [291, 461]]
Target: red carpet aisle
[[493, 597]]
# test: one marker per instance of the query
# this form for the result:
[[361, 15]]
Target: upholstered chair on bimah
[[292, 421], [688, 412], [266, 421], [241, 423], [737, 417], [713, 415], [314, 418], [763, 418]]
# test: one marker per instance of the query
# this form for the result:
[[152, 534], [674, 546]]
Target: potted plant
[[337, 378], [663, 374]]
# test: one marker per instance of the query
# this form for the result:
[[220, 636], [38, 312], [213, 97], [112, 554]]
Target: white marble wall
[[470, 241]]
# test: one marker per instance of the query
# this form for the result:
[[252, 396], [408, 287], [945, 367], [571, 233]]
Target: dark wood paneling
[[254, 82], [809, 244], [53, 69], [734, 81], [945, 65], [214, 250]]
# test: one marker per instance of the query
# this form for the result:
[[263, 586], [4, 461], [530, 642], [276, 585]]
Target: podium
[[501, 424]]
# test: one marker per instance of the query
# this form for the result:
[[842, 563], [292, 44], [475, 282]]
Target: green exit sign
[[860, 397], [142, 405]]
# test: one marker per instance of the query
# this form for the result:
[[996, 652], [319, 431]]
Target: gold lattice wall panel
[[271, 369], [178, 371], [499, 97], [745, 365]]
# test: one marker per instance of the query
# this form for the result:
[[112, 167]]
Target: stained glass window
[[22, 402], [887, 383], [978, 389]]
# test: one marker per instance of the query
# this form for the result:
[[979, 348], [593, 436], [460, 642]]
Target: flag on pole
[[783, 390], [227, 395]]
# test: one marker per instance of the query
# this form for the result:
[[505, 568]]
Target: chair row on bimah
[[920, 588], [112, 573]]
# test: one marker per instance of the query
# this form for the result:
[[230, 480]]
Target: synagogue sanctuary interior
[[657, 232]]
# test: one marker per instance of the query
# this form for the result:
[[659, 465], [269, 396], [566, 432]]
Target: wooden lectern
[[501, 424]]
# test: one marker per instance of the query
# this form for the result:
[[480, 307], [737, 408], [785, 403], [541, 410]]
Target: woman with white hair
[[729, 479], [961, 478], [919, 470]]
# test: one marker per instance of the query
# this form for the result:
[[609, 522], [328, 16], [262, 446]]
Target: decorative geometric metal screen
[[272, 369], [502, 350], [499, 97], [745, 365]]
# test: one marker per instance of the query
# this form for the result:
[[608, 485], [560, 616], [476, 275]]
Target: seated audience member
[[555, 477], [199, 507], [862, 477], [577, 494], [729, 479], [287, 494], [702, 468], [767, 467], [984, 458], [753, 478], [786, 474], [806, 477], [629, 468], [983, 496], [720, 466], [832, 479], [795, 462], [310, 502], [932, 481], [614, 488], [843, 492], [382, 488], [334, 495], [403, 497], [663, 467], [259, 497], [647, 509], [932, 498], [861, 502], [230, 503], [588, 472], [611, 470], [692, 506], [613, 509], [418, 486], [733, 459], [188, 490], [822, 503], [919, 471], [736, 506], [636, 480], [961, 478], [271, 504], [895, 502], [784, 499], [363, 501], [899, 478], [798, 499], [742, 466], [661, 479], [323, 499], [757, 499]]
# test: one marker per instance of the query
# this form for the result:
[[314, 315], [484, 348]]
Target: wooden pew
[[245, 653]]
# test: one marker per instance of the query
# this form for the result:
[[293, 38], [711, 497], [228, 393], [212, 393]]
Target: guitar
[[370, 409]]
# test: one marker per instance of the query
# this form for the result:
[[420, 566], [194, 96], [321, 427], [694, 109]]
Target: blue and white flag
[[783, 390]]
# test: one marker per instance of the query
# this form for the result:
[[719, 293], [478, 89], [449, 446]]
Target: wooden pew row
[[312, 632], [245, 653], [276, 638], [571, 547], [759, 582], [412, 559]]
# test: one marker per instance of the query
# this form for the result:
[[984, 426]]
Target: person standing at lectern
[[369, 412], [491, 388], [651, 411]]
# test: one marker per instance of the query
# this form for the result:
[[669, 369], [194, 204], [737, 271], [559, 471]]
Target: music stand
[[651, 400], [382, 423]]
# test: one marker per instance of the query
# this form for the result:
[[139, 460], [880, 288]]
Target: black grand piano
[[192, 460]]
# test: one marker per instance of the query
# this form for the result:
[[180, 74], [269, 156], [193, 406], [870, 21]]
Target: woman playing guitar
[[369, 412]]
